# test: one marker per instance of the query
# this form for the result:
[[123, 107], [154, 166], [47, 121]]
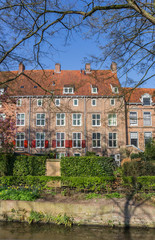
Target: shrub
[[138, 168], [6, 163], [29, 165], [89, 183], [90, 166], [143, 183], [150, 150]]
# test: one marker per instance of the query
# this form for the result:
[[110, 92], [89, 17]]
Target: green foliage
[[138, 168], [36, 217], [30, 165], [30, 181], [19, 194], [90, 153], [143, 183], [96, 184], [6, 163], [87, 166], [114, 195], [137, 155], [150, 150], [92, 196]]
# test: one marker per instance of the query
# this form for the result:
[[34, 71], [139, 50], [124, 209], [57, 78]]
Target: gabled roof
[[43, 82], [134, 95]]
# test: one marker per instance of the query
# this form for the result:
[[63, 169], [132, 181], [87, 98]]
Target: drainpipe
[[29, 128], [126, 122]]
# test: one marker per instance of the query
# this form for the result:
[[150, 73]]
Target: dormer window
[[146, 99], [68, 90], [94, 89], [1, 91], [115, 89]]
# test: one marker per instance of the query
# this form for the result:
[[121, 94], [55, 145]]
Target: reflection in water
[[23, 231]]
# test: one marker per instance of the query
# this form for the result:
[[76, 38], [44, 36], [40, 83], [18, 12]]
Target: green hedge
[[90, 166], [142, 183], [29, 165], [89, 183], [6, 163], [31, 181], [138, 168]]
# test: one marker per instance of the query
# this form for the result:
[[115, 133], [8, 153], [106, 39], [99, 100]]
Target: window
[[57, 102], [134, 138], [146, 101], [68, 90], [96, 140], [76, 119], [2, 116], [20, 119], [112, 140], [60, 119], [19, 102], [93, 102], [20, 137], [133, 119], [96, 120], [60, 155], [147, 137], [1, 91], [0, 103], [112, 119], [77, 140], [114, 89], [40, 140], [77, 154], [147, 118], [112, 101], [39, 102], [75, 102], [40, 120], [1, 139], [94, 90], [60, 140]]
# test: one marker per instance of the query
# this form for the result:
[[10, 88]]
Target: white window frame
[[2, 116], [75, 102], [113, 140], [115, 90], [112, 119], [112, 104], [147, 118], [20, 140], [96, 140], [57, 102], [96, 122], [134, 138], [40, 140], [19, 102], [40, 119], [77, 140], [21, 119], [59, 155], [61, 140], [93, 102], [146, 95], [68, 90], [147, 138], [133, 117], [0, 103], [60, 121], [94, 90], [39, 102], [76, 119]]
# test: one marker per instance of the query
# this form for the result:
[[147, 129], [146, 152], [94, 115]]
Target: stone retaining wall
[[92, 212]]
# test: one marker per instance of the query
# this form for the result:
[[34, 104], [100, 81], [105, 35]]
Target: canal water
[[24, 231]]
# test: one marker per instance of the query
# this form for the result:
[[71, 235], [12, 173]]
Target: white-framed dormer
[[114, 89], [146, 99], [68, 90], [94, 90]]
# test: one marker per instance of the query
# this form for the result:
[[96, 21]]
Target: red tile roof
[[134, 95], [42, 82]]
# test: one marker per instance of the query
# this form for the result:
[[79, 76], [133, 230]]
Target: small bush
[[19, 194], [143, 183]]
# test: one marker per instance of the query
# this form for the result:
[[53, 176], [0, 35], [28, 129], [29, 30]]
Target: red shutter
[[70, 143], [25, 143], [33, 143], [67, 143], [67, 154], [46, 143], [83, 143], [53, 143], [14, 142]]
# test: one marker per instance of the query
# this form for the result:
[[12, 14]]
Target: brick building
[[73, 112]]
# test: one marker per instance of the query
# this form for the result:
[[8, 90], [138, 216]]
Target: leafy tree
[[150, 150]]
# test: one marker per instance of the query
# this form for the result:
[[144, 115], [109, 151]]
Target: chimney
[[114, 67], [57, 68], [21, 68], [87, 68]]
